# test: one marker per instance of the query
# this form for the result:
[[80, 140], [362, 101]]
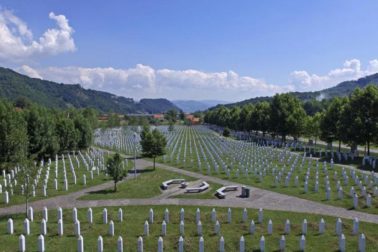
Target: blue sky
[[227, 50]]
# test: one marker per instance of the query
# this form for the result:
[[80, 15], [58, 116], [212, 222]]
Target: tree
[[330, 121], [84, 130], [312, 126], [245, 112], [13, 135], [259, 118], [171, 115], [67, 134], [41, 129], [25, 176], [153, 144], [113, 121], [92, 116], [359, 120], [233, 122], [115, 169], [226, 132], [287, 115], [182, 115], [171, 127]]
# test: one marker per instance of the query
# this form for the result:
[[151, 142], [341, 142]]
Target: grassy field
[[187, 145], [135, 216], [190, 137], [269, 184], [17, 198], [146, 185]]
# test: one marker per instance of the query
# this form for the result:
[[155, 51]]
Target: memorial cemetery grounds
[[69, 202]]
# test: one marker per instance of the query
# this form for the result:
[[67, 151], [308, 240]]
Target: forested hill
[[54, 95], [342, 89]]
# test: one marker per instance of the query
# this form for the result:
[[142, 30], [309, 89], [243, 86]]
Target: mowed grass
[[146, 185], [17, 198], [190, 163], [135, 216], [269, 184]]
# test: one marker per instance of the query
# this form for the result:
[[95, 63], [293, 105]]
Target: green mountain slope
[[50, 94]]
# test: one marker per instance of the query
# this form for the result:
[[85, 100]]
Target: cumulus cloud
[[145, 81], [17, 42], [351, 70], [31, 72]]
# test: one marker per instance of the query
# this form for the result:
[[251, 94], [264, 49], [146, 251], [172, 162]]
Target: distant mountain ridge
[[342, 89], [190, 106], [54, 95]]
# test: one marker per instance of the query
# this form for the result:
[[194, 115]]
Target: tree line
[[32, 132], [352, 120]]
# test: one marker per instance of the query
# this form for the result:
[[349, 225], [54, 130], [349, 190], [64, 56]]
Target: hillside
[[342, 89], [50, 94]]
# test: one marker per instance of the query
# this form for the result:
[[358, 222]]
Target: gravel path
[[260, 198]]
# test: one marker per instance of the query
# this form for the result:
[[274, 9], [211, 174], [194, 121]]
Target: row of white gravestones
[[30, 214], [287, 229], [201, 244], [10, 181], [260, 173], [210, 147], [213, 215]]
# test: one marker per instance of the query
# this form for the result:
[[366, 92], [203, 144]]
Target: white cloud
[[31, 72], [17, 43], [351, 70], [144, 81]]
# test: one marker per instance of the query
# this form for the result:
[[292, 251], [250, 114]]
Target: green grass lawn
[[135, 216], [268, 184], [146, 185], [188, 141], [17, 198], [192, 136]]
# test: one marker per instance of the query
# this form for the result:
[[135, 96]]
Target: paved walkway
[[259, 199]]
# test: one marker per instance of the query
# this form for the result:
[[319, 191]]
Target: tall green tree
[[312, 126], [113, 121], [234, 119], [244, 114], [171, 115], [92, 116], [287, 115], [115, 169], [171, 127], [41, 132], [259, 119], [28, 171], [153, 144], [67, 134], [84, 131], [360, 117], [13, 135], [330, 123]]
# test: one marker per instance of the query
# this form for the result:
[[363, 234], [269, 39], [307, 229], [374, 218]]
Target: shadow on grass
[[105, 191], [131, 171]]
